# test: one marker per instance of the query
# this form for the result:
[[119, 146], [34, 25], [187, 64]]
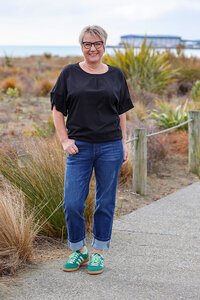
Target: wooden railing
[[140, 150]]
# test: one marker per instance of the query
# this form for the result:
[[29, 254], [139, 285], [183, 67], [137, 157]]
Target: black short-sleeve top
[[91, 102]]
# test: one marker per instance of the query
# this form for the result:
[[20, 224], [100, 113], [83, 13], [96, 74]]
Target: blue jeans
[[106, 159]]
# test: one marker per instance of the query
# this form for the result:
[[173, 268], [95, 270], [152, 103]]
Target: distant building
[[157, 41], [192, 44]]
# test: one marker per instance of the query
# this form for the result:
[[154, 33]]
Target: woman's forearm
[[67, 143], [59, 123], [123, 126]]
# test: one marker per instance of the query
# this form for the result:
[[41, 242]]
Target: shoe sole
[[95, 272], [75, 269]]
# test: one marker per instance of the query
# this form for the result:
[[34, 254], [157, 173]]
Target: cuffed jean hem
[[100, 245], [77, 246]]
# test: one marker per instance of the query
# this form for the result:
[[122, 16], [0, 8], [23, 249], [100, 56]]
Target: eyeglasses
[[97, 44]]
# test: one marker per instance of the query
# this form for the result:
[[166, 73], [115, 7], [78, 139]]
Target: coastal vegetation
[[146, 70], [163, 86], [196, 91], [169, 114]]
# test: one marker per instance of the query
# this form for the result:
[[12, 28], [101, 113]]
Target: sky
[[59, 22]]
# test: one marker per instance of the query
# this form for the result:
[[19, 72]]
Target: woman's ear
[[82, 47]]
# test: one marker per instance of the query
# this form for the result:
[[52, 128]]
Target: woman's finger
[[73, 149], [125, 157]]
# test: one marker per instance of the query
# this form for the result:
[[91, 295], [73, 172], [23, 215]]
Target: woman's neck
[[92, 66]]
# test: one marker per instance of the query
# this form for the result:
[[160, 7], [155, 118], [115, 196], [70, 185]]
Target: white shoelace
[[96, 259], [73, 257]]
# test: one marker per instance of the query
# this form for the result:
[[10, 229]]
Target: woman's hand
[[125, 153], [69, 146]]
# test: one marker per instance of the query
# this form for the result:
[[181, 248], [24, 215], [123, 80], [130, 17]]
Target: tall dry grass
[[17, 230], [126, 171], [89, 206], [43, 87], [37, 168], [140, 111]]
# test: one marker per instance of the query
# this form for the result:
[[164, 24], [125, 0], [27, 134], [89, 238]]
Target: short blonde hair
[[93, 30]]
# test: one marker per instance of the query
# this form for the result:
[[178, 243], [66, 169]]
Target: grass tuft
[[37, 168], [17, 230], [43, 87]]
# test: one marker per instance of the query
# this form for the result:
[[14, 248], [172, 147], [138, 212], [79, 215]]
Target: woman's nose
[[92, 47]]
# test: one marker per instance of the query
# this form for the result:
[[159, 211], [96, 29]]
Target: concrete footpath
[[155, 254]]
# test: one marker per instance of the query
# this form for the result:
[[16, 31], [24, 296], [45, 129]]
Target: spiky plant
[[145, 69], [169, 115]]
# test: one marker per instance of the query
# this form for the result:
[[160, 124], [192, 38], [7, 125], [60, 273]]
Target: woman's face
[[92, 54]]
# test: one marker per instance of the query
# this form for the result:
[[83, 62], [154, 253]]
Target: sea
[[64, 51]]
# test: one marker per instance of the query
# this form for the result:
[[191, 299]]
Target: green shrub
[[13, 92], [168, 115], [146, 70], [196, 91]]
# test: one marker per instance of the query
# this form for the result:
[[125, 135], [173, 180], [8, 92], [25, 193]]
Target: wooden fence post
[[194, 142], [140, 161]]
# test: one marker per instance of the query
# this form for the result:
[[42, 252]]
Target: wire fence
[[140, 150], [162, 131]]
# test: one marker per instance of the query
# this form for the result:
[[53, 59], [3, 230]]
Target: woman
[[94, 97]]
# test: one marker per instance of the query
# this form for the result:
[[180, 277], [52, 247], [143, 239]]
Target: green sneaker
[[75, 260], [96, 264]]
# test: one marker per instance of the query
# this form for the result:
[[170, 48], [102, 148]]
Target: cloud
[[131, 9], [50, 21], [93, 10]]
